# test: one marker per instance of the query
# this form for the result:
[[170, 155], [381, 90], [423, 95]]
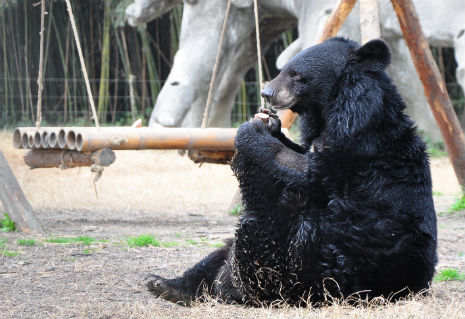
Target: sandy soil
[[163, 194]]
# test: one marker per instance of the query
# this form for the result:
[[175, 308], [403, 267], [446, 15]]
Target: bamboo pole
[[150, 138], [433, 84], [128, 138], [334, 23], [67, 159]]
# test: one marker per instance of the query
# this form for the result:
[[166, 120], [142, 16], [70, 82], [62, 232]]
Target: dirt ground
[[165, 195]]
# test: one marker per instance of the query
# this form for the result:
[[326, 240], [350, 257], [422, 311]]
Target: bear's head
[[334, 79]]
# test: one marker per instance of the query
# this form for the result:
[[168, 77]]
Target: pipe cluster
[[124, 138]]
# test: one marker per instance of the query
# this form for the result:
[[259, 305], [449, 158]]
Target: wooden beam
[[332, 26], [369, 20], [14, 201], [433, 84]]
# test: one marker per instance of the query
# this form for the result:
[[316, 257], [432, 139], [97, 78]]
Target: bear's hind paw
[[162, 288]]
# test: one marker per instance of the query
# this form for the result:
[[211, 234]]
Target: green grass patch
[[435, 149], [6, 224], [237, 210], [436, 152], [460, 254], [26, 242], [143, 241], [85, 240], [437, 193], [192, 242], [217, 245], [169, 244], [458, 206], [449, 274], [3, 242], [10, 253]]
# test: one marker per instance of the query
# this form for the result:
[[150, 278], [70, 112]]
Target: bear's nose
[[267, 94]]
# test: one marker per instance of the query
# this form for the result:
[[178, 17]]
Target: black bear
[[350, 211]]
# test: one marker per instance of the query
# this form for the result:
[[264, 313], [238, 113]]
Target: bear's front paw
[[271, 119], [252, 135]]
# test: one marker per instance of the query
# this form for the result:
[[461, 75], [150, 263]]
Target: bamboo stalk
[[5, 70], [151, 138], [151, 67], [126, 138], [104, 89], [15, 52], [26, 63]]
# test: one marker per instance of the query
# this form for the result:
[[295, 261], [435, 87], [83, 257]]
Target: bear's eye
[[293, 73]]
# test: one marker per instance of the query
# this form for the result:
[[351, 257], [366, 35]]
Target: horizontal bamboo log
[[28, 137], [126, 138], [151, 138], [67, 159]]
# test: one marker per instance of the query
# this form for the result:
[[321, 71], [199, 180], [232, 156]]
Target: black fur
[[349, 211]]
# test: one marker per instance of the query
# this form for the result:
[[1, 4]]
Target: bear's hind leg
[[187, 288]]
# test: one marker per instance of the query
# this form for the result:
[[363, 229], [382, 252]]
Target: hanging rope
[[41, 65], [83, 65], [215, 68], [259, 52], [98, 170]]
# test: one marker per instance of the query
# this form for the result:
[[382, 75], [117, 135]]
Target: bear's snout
[[267, 94]]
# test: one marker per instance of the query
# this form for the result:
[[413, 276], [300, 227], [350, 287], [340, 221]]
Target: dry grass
[[443, 302], [138, 181]]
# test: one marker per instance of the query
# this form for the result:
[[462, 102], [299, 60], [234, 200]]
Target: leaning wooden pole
[[433, 84], [332, 26], [15, 202]]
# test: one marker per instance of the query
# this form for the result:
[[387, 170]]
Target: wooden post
[[369, 20], [334, 23], [14, 201], [433, 84]]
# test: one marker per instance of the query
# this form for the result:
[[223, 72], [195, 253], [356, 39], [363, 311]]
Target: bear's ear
[[373, 55]]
